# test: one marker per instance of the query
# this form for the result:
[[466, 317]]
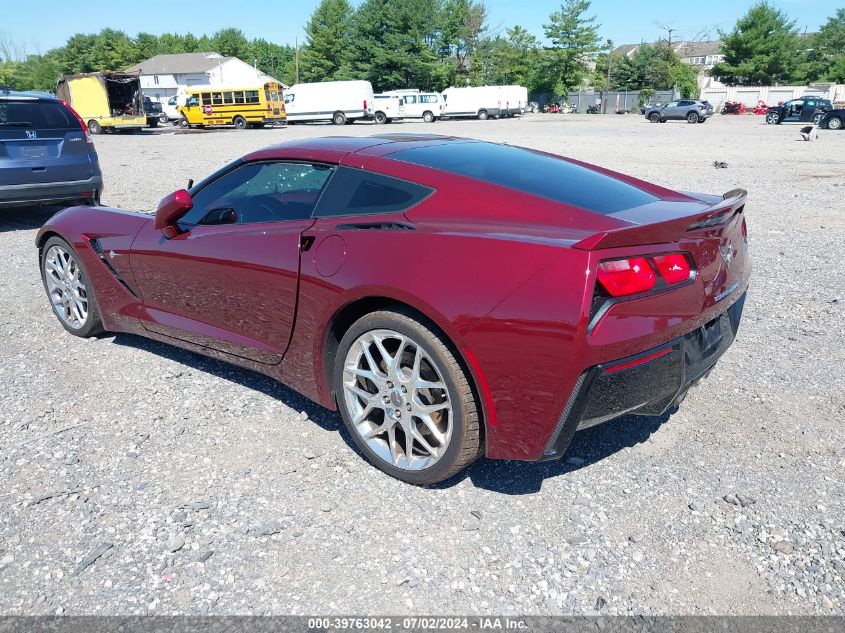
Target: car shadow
[[25, 218], [506, 477]]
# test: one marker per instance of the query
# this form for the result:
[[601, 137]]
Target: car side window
[[672, 104], [359, 192], [260, 192], [289, 97]]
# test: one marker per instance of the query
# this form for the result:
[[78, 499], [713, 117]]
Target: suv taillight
[[82, 124], [636, 275]]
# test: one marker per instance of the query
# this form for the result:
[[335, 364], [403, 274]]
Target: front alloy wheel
[[68, 288], [772, 118], [405, 399]]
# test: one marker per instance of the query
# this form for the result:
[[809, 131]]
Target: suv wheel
[[817, 118], [772, 118], [692, 117], [834, 123], [654, 117]]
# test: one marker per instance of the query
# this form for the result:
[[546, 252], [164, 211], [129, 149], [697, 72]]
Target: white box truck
[[337, 101], [481, 102], [514, 100]]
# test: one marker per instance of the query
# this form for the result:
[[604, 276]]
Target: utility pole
[[607, 83], [296, 56], [669, 30]]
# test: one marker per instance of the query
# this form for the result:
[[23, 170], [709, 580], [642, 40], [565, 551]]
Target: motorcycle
[[593, 109], [733, 107], [761, 108]]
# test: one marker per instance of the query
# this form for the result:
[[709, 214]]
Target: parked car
[[388, 108], [575, 295], [154, 112], [340, 102], [477, 102], [171, 108], [106, 101], [833, 119], [689, 110], [807, 109], [47, 155], [427, 106], [651, 106]]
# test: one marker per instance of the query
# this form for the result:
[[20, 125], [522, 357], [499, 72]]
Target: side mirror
[[170, 210]]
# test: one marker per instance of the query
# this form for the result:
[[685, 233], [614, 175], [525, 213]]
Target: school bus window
[[206, 98], [239, 97], [252, 96], [227, 97], [275, 95], [267, 95], [217, 98]]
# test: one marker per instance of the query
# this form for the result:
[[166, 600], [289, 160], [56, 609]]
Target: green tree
[[325, 55], [459, 34], [231, 42], [273, 59], [574, 42], [826, 57], [392, 43], [761, 49], [112, 50], [655, 67]]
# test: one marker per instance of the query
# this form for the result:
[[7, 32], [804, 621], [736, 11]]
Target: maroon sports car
[[452, 298]]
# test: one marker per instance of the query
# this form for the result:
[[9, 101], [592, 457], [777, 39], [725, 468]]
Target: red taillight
[[622, 277], [674, 268], [365, 105], [82, 123]]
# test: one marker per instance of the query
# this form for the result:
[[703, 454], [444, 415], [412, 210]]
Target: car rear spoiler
[[670, 230]]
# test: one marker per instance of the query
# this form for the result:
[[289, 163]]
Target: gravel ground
[[137, 478]]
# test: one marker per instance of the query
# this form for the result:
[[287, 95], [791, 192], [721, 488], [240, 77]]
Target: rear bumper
[[44, 193], [648, 383]]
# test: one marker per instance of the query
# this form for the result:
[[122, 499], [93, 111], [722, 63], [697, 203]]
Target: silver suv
[[689, 110], [47, 155]]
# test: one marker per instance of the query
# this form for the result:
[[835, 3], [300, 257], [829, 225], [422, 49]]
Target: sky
[[623, 21]]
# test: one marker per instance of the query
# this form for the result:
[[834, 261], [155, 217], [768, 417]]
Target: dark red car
[[453, 298]]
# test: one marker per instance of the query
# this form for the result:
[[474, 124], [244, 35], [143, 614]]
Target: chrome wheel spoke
[[397, 400], [66, 287]]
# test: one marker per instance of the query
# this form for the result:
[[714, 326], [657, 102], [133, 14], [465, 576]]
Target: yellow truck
[[106, 101]]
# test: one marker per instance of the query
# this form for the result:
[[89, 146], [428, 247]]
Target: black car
[[47, 155], [154, 112], [833, 120], [807, 109]]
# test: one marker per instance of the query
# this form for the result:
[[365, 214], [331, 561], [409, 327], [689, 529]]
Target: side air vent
[[98, 249]]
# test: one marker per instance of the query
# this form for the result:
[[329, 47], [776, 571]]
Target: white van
[[427, 106], [514, 100], [388, 108], [336, 101], [480, 102]]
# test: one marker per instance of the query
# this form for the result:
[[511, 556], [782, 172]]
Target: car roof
[[6, 94], [334, 148]]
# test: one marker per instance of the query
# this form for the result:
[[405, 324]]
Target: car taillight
[[82, 124], [674, 267], [365, 105], [622, 277]]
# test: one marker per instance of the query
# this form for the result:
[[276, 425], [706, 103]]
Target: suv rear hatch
[[42, 142]]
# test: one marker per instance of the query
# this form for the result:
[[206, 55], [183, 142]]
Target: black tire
[[380, 118], [465, 443], [693, 117], [817, 118], [162, 118], [702, 120], [94, 127], [482, 115], [183, 123], [428, 117], [93, 325], [339, 118], [834, 123], [152, 123], [654, 117], [239, 122], [773, 118]]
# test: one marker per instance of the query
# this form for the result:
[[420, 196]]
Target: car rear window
[[358, 192], [530, 172], [43, 115]]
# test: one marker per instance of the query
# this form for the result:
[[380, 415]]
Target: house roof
[[682, 48], [179, 63]]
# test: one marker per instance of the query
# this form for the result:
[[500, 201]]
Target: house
[[701, 55], [164, 76]]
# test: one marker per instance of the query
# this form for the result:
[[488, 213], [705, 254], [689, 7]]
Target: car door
[[412, 106], [670, 111], [792, 110], [809, 110], [229, 280]]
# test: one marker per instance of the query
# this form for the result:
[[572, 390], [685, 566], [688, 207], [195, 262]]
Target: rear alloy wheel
[[834, 123], [68, 289], [654, 117], [94, 127], [772, 118], [339, 118], [405, 399], [817, 119], [692, 117], [381, 118], [428, 117], [162, 118], [239, 122]]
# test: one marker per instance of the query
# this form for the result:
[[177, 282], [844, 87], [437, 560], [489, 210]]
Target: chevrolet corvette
[[451, 298]]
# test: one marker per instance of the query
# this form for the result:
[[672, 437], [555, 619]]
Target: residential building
[[165, 76]]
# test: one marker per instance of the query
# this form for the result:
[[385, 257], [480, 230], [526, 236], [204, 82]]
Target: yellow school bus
[[241, 107]]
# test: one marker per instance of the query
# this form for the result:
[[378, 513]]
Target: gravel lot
[[136, 478]]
